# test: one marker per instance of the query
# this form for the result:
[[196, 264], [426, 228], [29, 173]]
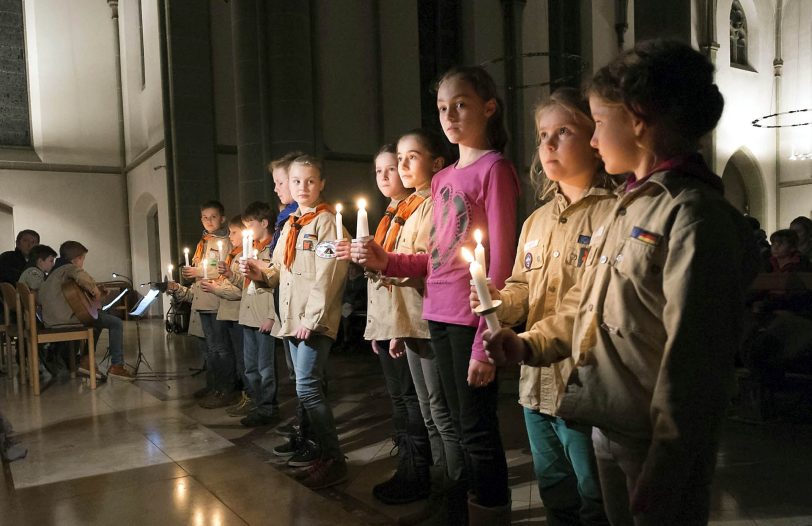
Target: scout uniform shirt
[[551, 256], [395, 306], [655, 321], [310, 291], [256, 304], [208, 254], [230, 291]]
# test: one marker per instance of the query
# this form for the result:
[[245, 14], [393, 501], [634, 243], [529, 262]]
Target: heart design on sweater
[[447, 235]]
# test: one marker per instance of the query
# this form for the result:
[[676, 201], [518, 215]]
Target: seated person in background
[[41, 260], [785, 254], [802, 226], [13, 262], [57, 312]]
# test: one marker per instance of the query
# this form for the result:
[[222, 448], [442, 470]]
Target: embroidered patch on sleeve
[[649, 238]]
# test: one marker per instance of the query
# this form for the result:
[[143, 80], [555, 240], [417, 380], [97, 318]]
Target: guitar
[[84, 306]]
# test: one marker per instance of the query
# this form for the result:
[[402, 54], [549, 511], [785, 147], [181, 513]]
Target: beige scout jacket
[[656, 319], [310, 293], [256, 304], [397, 311], [230, 293], [206, 301], [55, 309], [551, 256]]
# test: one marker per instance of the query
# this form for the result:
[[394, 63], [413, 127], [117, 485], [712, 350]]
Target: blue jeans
[[219, 355], [309, 360], [260, 370], [115, 333], [565, 468]]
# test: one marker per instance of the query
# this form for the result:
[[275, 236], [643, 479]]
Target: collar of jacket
[[220, 232], [673, 174], [302, 210], [604, 185]]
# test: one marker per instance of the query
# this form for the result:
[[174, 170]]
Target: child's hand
[[172, 286], [480, 374], [343, 250], [375, 348], [189, 272], [474, 297], [223, 270], [266, 326], [251, 269], [505, 347], [397, 349], [303, 333], [370, 255], [207, 285]]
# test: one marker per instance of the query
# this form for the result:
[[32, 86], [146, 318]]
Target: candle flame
[[467, 255], [169, 268], [478, 236], [362, 203], [245, 233], [185, 250], [339, 208]]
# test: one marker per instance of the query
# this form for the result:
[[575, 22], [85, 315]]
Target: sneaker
[[217, 400], [289, 448], [257, 419], [305, 456], [241, 408], [202, 392], [326, 472], [120, 372], [288, 430]]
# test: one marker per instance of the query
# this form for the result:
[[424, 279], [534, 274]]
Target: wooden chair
[[12, 328], [37, 335]]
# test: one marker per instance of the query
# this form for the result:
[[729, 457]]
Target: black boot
[[411, 479], [479, 515]]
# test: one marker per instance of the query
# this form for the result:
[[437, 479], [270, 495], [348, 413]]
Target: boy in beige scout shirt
[[311, 283], [219, 390]]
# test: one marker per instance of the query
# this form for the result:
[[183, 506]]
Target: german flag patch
[[649, 238]]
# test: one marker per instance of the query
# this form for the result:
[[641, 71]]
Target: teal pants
[[566, 471]]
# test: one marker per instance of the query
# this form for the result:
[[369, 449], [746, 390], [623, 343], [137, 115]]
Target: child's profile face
[[386, 175], [79, 261], [614, 137], [416, 165], [212, 219], [305, 184], [463, 113], [47, 264], [280, 185], [235, 235], [780, 248], [259, 228], [564, 149]]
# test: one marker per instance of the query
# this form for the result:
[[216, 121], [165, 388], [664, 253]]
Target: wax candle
[[339, 226], [186, 256], [256, 253], [245, 244], [220, 251], [362, 226], [169, 271], [481, 286], [479, 251], [205, 269]]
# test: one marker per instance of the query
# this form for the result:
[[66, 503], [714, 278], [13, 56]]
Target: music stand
[[137, 313]]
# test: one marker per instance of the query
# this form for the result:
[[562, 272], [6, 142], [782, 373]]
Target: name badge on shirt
[[598, 232], [326, 250], [531, 244]]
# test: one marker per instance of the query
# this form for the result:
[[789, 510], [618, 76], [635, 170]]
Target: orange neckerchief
[[383, 226], [259, 246], [410, 204], [296, 225], [201, 246], [236, 251]]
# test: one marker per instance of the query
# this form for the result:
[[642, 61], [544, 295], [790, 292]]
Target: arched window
[[738, 36]]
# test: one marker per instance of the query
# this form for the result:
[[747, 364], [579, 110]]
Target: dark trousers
[[234, 338], [219, 354], [473, 411]]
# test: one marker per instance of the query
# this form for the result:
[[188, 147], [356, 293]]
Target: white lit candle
[[479, 251], [205, 269], [481, 286], [186, 256], [169, 271], [220, 250], [339, 226], [362, 226], [245, 244], [256, 253]]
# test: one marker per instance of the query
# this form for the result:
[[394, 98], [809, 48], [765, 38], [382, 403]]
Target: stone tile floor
[[145, 453]]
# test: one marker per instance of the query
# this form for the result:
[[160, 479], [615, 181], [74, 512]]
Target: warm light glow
[[362, 203], [339, 208], [186, 251], [256, 253], [478, 235], [467, 255], [170, 268], [245, 233]]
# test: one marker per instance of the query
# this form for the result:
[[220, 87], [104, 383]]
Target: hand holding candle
[[362, 225], [481, 284], [339, 225]]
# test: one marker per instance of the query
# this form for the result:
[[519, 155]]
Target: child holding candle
[[219, 389], [228, 287], [259, 321], [478, 191], [550, 257], [311, 282], [655, 321]]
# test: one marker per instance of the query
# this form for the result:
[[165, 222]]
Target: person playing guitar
[[70, 296]]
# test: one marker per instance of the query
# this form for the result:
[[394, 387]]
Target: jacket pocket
[[305, 263], [533, 258]]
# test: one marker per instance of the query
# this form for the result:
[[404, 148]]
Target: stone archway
[[744, 184], [145, 237]]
